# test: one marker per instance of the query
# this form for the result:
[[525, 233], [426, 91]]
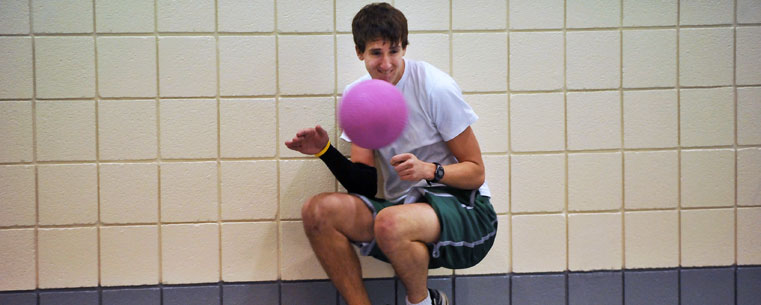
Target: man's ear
[[360, 55]]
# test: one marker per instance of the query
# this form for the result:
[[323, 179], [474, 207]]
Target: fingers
[[400, 158]]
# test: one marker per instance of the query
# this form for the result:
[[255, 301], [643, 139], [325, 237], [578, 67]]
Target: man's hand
[[309, 141], [410, 168]]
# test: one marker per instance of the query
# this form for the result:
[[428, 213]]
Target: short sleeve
[[450, 113]]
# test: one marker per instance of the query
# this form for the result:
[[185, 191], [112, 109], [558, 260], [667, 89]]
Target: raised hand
[[309, 141], [410, 168]]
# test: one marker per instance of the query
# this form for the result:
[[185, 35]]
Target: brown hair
[[379, 21]]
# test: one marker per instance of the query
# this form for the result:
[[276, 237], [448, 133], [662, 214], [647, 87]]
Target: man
[[437, 211]]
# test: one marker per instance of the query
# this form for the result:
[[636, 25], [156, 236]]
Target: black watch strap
[[438, 173]]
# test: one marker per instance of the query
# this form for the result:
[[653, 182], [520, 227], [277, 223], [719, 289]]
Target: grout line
[[278, 96], [219, 147], [35, 153], [565, 143], [97, 146], [159, 226]]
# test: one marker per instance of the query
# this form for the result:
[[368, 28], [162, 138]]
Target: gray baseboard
[[693, 286]]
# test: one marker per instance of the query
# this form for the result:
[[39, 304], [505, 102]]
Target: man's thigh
[[349, 214]]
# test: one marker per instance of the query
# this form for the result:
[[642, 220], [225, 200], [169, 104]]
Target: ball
[[373, 114]]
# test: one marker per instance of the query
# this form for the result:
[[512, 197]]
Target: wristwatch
[[437, 174]]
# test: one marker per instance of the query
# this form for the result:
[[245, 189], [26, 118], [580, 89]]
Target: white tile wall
[[126, 127]]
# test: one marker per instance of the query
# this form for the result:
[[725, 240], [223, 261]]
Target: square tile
[[593, 59], [127, 66], [536, 60], [593, 120], [115, 16], [247, 294], [651, 239], [14, 18], [748, 239], [595, 288], [537, 122], [595, 181], [188, 128], [705, 57], [18, 298], [432, 15], [650, 12], [703, 12], [178, 252], [585, 14], [128, 296], [651, 119], [296, 187], [498, 258], [708, 178], [17, 130], [380, 291], [492, 112], [247, 190], [18, 195], [748, 176], [707, 117], [298, 261], [432, 48], [187, 66], [482, 290], [129, 193], [247, 65], [315, 110], [308, 293], [658, 287], [345, 11], [127, 130], [65, 130], [748, 11], [189, 191], [68, 258], [129, 255], [17, 81], [528, 289], [349, 68], [245, 16], [248, 128], [498, 178], [594, 241], [77, 297], [69, 16], [247, 252], [57, 59], [748, 281], [536, 14], [707, 238], [546, 256], [747, 55], [300, 16], [651, 179], [479, 15], [18, 255], [292, 63], [538, 183], [468, 66], [649, 58], [191, 295], [748, 116], [185, 16], [707, 286], [68, 194]]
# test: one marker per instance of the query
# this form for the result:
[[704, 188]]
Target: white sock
[[427, 301]]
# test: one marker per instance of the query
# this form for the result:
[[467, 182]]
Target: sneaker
[[438, 297]]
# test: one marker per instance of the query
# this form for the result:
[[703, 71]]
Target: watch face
[[439, 172]]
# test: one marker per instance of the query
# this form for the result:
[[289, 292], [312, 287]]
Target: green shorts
[[468, 226]]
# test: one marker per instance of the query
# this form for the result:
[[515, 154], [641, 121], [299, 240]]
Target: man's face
[[383, 61]]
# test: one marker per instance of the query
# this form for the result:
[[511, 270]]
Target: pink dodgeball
[[373, 114]]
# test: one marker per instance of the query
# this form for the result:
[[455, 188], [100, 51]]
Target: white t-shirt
[[437, 113]]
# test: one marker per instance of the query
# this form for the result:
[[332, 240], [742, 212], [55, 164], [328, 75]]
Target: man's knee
[[388, 228], [317, 211]]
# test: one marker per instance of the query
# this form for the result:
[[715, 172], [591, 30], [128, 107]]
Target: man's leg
[[331, 220], [402, 232]]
